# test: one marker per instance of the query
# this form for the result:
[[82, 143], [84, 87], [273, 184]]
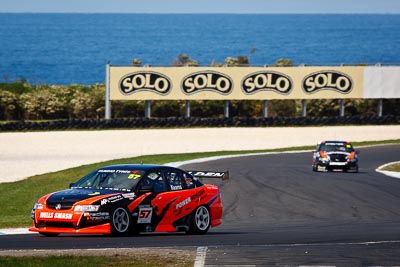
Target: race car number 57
[[145, 215]]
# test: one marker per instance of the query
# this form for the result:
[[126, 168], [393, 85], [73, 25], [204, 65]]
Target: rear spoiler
[[210, 174]]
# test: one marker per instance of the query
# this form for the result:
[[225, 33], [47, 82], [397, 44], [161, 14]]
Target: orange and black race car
[[335, 155], [131, 198]]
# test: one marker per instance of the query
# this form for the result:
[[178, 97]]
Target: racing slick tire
[[314, 168], [355, 170], [200, 221], [121, 222]]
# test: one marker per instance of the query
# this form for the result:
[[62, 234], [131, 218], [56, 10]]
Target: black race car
[[131, 198], [335, 155]]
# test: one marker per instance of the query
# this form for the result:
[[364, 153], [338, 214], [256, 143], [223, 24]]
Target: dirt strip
[[180, 254]]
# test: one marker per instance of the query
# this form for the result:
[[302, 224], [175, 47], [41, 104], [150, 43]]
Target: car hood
[[66, 198]]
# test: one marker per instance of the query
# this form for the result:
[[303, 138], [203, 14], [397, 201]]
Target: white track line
[[388, 173], [200, 257], [15, 231]]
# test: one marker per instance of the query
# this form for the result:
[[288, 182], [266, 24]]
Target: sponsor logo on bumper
[[55, 215], [337, 163]]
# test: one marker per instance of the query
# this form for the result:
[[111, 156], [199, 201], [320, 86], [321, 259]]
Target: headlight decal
[[37, 206]]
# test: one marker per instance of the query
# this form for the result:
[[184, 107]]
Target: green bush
[[22, 101]]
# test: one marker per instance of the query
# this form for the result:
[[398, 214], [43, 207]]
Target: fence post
[[107, 107], [226, 109], [187, 109], [303, 108], [265, 109], [380, 107], [147, 109], [341, 112]]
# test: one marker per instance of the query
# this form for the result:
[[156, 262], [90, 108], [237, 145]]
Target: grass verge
[[395, 167], [17, 198], [95, 261]]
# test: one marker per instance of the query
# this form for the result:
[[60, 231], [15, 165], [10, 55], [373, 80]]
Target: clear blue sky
[[202, 6]]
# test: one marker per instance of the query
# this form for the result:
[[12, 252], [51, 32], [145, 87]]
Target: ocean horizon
[[188, 13], [73, 48]]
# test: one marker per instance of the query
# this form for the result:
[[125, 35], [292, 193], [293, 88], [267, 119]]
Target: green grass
[[17, 198], [395, 167], [95, 261]]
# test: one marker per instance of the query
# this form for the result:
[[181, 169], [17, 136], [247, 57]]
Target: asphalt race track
[[278, 212]]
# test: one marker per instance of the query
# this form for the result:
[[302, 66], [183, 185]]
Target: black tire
[[355, 170], [121, 222], [314, 168], [200, 221]]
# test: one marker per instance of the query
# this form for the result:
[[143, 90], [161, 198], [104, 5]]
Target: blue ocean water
[[74, 48]]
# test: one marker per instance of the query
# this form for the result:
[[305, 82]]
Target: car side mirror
[[71, 185]]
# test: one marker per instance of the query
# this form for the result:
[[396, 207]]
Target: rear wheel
[[121, 222], [200, 221]]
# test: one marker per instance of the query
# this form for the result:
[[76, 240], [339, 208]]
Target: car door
[[170, 200], [155, 208], [175, 203]]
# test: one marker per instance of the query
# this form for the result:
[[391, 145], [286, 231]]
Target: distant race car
[[128, 199], [335, 155]]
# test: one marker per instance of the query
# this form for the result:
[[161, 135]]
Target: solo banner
[[235, 83]]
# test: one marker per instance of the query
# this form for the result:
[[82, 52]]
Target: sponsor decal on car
[[334, 144], [183, 203], [134, 176], [111, 199], [129, 195], [55, 215], [198, 194], [207, 174], [186, 201], [114, 171], [176, 187], [145, 214], [95, 216], [337, 163]]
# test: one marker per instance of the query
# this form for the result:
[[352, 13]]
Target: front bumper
[[69, 222], [96, 229], [333, 166]]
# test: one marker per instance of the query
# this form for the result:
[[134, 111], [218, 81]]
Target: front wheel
[[314, 168], [200, 221], [121, 222]]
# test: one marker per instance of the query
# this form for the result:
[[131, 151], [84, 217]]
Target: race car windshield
[[119, 180], [337, 147]]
